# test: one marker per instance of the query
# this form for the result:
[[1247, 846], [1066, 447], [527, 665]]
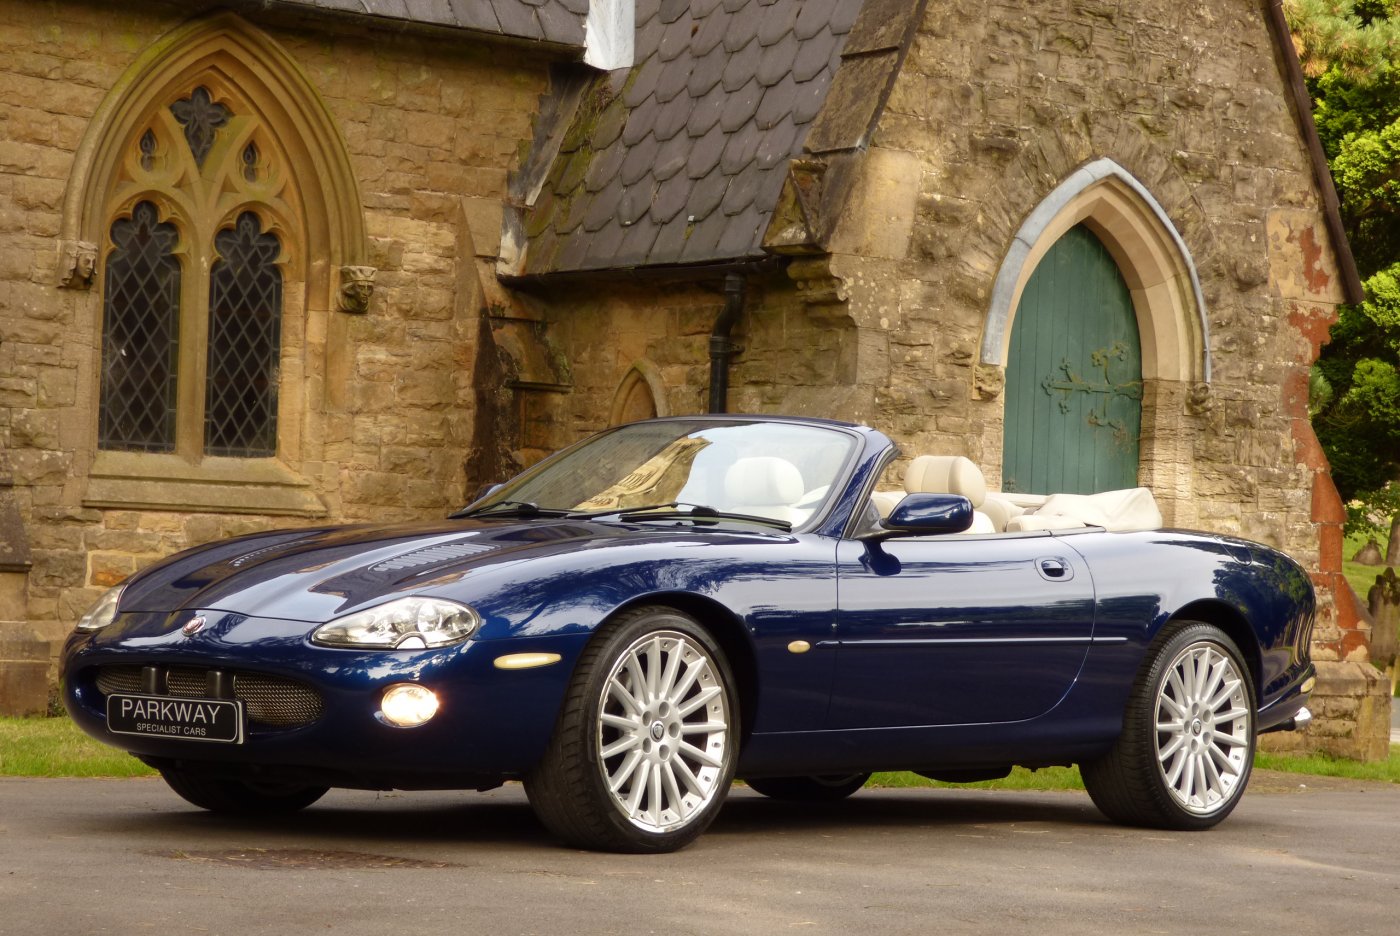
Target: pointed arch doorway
[[1170, 313], [1074, 388]]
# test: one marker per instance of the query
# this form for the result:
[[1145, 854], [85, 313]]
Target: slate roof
[[556, 21], [684, 162]]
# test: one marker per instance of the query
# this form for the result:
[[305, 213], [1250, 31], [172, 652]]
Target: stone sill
[[141, 481]]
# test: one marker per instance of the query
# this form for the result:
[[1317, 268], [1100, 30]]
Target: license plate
[[176, 718]]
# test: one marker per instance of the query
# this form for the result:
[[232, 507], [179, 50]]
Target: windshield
[[775, 470]]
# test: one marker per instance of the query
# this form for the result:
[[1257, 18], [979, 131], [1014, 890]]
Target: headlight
[[405, 624], [103, 612]]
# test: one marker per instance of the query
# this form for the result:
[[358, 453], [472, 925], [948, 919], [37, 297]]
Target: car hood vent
[[249, 557], [430, 555]]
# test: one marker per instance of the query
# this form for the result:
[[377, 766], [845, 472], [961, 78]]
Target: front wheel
[[1187, 747], [644, 750], [238, 797], [816, 789]]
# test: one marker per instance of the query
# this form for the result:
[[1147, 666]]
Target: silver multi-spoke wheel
[[1183, 758], [644, 750], [1205, 728], [663, 726]]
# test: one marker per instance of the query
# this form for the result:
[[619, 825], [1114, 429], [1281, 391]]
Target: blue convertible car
[[637, 620]]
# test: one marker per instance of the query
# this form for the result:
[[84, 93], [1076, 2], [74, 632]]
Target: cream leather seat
[[885, 501], [951, 474], [765, 486]]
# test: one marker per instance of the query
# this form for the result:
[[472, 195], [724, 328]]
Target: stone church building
[[271, 262]]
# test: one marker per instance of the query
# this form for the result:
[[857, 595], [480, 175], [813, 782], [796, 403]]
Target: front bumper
[[1287, 710], [492, 722]]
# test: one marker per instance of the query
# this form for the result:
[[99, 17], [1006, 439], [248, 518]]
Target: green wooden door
[[1073, 376]]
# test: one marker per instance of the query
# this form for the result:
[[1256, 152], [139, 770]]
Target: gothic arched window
[[193, 289], [213, 206]]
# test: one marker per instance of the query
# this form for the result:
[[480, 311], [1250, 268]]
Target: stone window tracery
[[193, 285], [201, 116]]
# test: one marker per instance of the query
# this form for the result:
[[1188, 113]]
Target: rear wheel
[[238, 797], [1187, 747], [819, 789], [644, 750]]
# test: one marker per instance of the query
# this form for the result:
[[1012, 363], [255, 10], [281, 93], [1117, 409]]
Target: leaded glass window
[[245, 327], [140, 335], [191, 366]]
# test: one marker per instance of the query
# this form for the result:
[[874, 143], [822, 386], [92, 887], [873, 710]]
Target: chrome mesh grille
[[271, 701]]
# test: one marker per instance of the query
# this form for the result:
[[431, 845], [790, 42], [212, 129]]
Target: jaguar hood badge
[[193, 626]]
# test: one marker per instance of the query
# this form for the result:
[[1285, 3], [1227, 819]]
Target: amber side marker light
[[514, 661]]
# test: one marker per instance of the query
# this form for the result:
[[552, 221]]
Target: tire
[[1181, 763], [643, 752], [819, 789], [238, 797]]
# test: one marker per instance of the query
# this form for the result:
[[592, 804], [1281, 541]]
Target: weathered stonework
[[384, 400]]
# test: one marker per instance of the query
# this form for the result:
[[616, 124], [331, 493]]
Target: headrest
[[946, 474], [763, 481]]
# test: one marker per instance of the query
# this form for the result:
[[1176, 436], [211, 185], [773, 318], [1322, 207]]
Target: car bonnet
[[317, 575]]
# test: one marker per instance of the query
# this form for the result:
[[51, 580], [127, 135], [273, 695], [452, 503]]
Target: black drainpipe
[[721, 348]]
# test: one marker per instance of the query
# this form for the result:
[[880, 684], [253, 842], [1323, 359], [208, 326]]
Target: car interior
[[1007, 512]]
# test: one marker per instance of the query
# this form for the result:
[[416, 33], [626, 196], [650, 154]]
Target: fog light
[[408, 706]]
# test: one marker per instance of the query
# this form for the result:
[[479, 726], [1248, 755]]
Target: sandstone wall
[[432, 129]]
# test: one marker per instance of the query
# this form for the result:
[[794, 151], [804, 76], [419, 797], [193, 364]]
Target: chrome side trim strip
[[969, 641]]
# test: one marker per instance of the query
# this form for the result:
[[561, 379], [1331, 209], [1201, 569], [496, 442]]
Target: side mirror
[[485, 491], [925, 515]]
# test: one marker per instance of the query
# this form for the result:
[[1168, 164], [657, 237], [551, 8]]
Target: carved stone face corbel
[[988, 381], [77, 263], [356, 288], [1199, 400]]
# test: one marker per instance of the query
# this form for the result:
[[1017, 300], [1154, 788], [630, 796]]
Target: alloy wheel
[[663, 730], [1204, 728]]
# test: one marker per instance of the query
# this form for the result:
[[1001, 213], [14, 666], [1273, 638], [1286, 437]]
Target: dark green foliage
[[1351, 51]]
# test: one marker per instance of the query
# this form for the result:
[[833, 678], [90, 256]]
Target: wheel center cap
[[1196, 727], [658, 731]]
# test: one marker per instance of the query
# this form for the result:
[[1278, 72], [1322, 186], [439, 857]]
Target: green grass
[[1047, 778], [1323, 765], [1361, 577], [54, 747]]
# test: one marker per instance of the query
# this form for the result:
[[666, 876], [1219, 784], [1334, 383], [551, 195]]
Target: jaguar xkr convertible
[[637, 620]]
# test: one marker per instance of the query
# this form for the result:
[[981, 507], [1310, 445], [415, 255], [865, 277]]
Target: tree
[[1350, 51]]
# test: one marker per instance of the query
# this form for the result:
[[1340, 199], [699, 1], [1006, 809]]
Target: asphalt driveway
[[127, 857]]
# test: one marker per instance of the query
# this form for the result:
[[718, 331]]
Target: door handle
[[1054, 570]]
